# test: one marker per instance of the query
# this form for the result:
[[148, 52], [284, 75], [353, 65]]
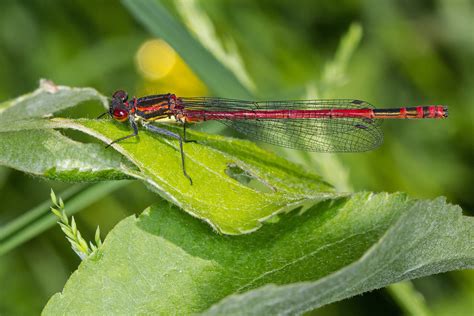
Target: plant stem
[[408, 298], [77, 203]]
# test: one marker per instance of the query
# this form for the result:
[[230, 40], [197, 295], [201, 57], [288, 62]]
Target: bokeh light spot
[[155, 59]]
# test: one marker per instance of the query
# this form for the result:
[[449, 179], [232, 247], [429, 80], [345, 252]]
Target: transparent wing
[[337, 134]]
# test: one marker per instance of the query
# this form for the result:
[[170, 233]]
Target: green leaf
[[161, 23], [28, 143], [166, 262]]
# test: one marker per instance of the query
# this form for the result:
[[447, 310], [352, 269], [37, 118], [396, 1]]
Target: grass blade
[[156, 18], [80, 201]]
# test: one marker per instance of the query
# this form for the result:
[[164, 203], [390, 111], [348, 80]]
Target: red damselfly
[[337, 125]]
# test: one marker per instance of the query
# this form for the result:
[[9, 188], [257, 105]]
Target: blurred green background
[[410, 53]]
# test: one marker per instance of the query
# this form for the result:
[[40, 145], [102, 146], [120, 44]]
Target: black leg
[[162, 131], [135, 133], [184, 134]]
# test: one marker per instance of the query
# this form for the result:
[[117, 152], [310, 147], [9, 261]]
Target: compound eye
[[120, 115], [121, 95]]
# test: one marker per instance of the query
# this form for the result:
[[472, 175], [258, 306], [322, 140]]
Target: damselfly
[[336, 125]]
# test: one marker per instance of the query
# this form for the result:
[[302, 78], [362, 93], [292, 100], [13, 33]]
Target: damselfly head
[[119, 106], [120, 95]]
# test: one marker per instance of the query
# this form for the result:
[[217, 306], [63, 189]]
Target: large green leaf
[[165, 262], [236, 184]]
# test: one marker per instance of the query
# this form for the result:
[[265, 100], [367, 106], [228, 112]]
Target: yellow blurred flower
[[163, 71]]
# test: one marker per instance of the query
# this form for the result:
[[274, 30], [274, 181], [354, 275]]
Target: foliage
[[165, 262], [343, 238], [410, 53]]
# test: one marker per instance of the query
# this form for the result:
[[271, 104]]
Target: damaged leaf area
[[236, 185]]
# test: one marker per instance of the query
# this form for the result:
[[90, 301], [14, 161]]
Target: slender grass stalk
[[408, 298], [75, 204]]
